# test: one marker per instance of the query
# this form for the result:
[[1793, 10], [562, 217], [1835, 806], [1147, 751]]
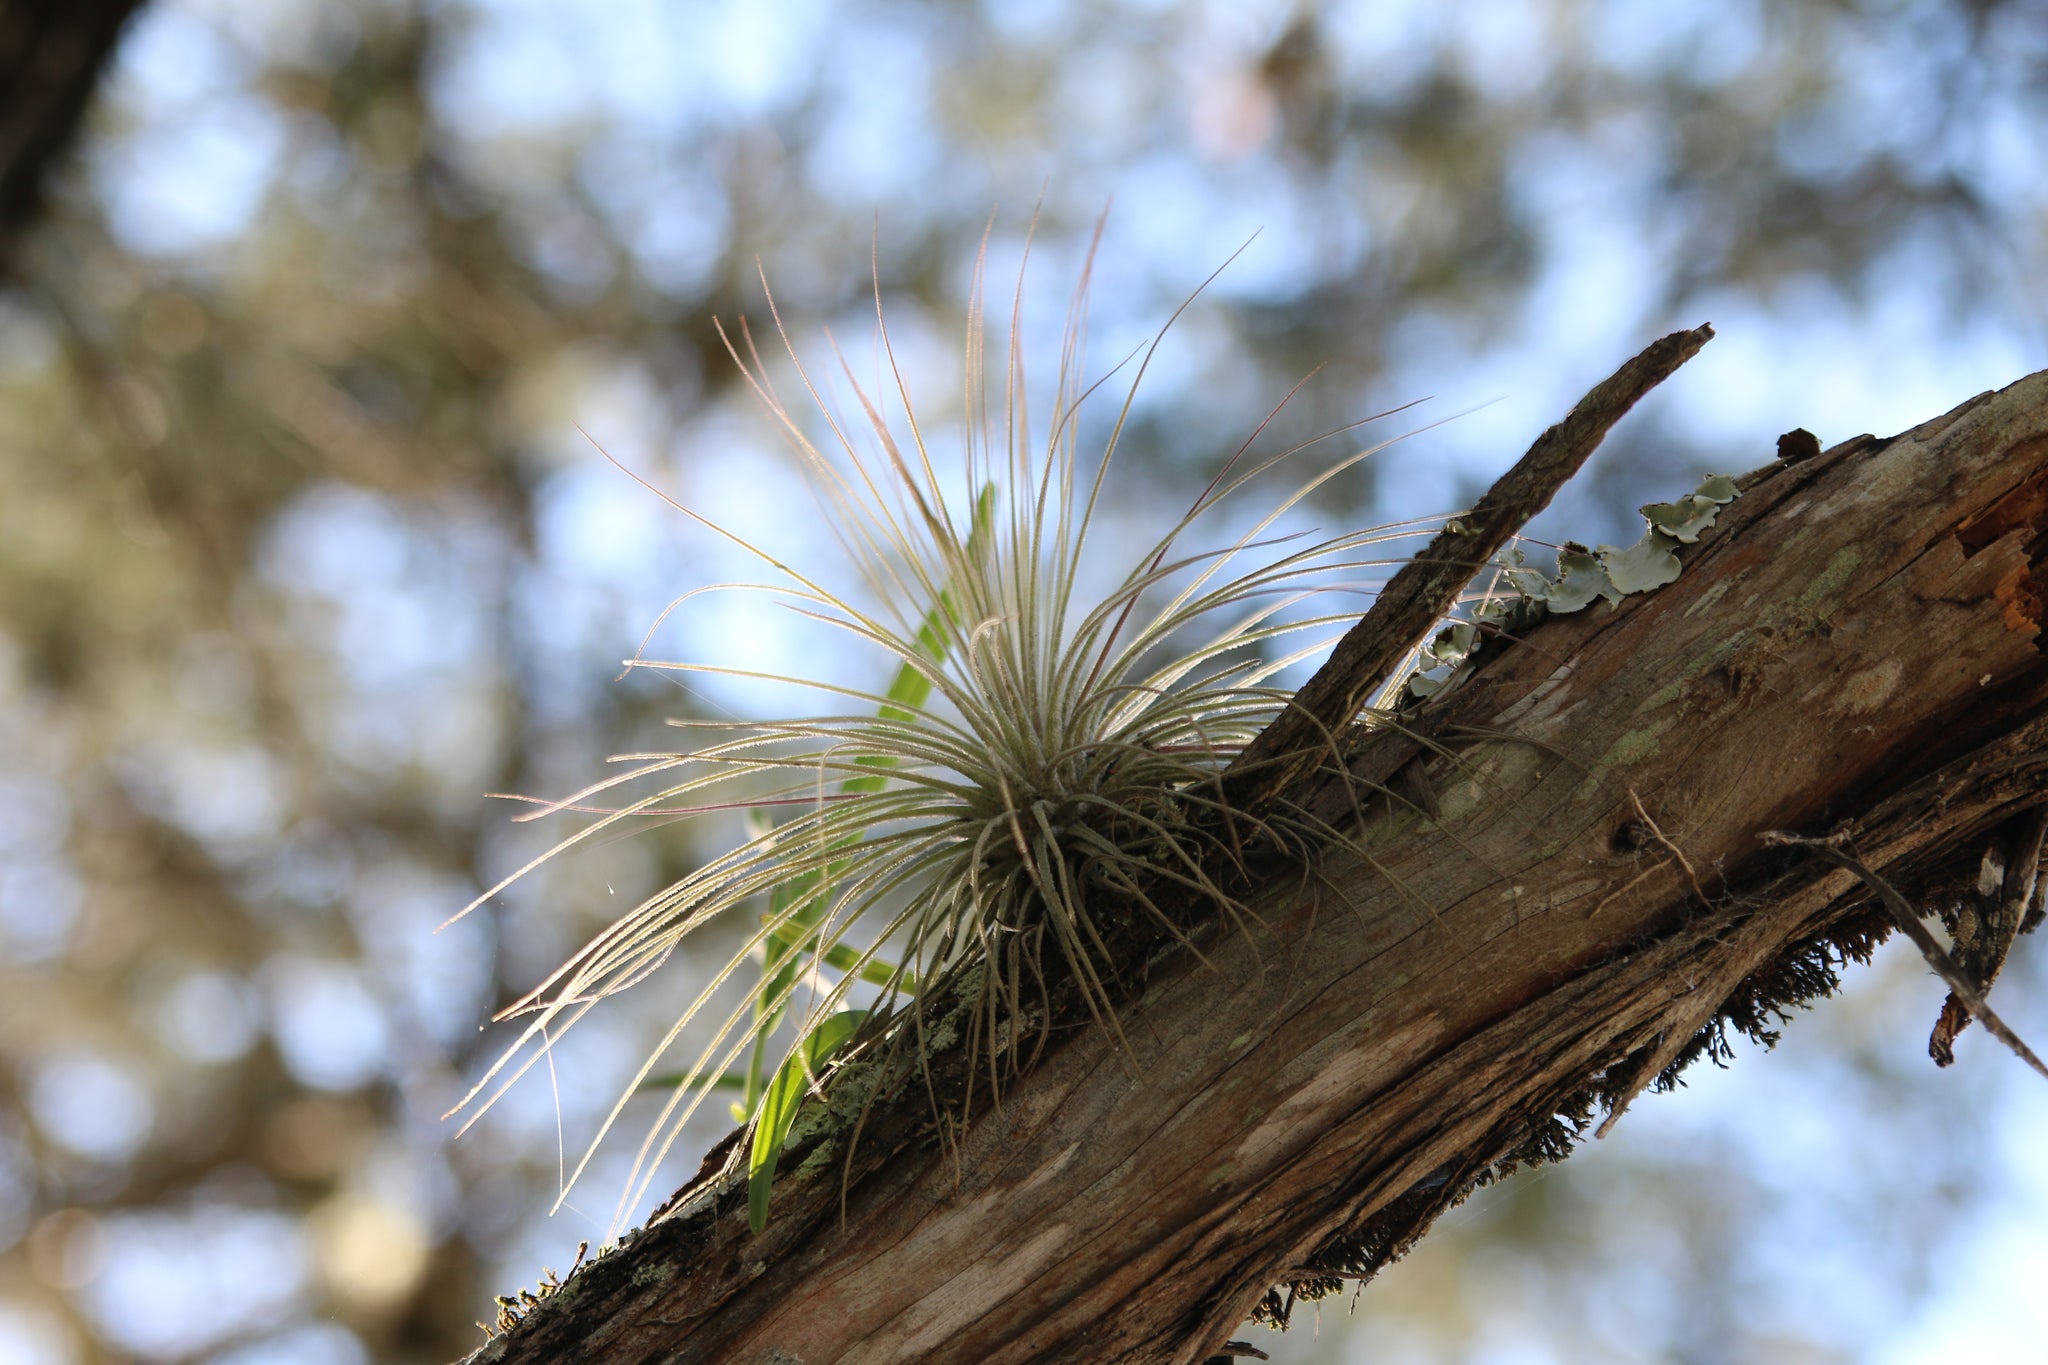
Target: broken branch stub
[[1986, 930], [1907, 920], [1427, 586]]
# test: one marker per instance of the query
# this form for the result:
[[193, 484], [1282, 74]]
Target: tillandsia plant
[[1039, 768]]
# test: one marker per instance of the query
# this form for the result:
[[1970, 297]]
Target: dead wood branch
[[1427, 586]]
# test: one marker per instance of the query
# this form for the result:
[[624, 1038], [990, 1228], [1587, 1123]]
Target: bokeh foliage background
[[301, 552]]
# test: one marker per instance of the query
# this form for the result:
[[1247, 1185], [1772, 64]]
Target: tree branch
[[1427, 587], [51, 54], [1440, 996]]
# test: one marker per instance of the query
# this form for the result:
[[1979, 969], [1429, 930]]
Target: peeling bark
[[1583, 904]]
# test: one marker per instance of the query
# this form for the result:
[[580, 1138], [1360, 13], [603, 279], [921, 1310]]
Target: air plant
[[1039, 770]]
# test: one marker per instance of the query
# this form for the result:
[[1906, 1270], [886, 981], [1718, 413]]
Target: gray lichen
[[1439, 659], [1583, 576], [1642, 567]]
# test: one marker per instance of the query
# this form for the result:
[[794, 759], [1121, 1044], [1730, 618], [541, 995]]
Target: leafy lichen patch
[[1684, 519], [1645, 566], [1583, 576], [1616, 571]]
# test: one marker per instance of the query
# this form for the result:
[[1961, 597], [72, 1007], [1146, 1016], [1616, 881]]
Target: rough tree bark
[[1572, 898]]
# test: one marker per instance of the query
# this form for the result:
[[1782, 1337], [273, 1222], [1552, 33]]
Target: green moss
[[652, 1272], [1817, 603], [820, 1157], [1633, 747], [1663, 696], [941, 1036]]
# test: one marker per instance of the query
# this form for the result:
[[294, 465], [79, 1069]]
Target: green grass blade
[[841, 957], [785, 1096], [911, 688], [908, 692], [731, 1080]]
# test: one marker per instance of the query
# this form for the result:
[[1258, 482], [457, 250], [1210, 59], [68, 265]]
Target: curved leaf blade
[[785, 1095]]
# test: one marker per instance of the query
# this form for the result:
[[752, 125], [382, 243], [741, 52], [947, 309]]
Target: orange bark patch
[[2024, 512], [2020, 591]]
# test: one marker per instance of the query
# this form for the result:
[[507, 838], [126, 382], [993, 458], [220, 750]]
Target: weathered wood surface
[[1855, 639]]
